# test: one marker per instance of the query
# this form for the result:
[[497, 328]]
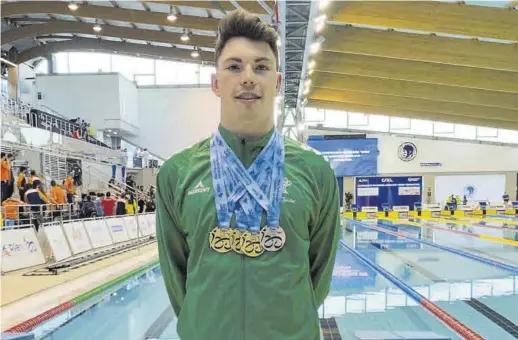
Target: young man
[[264, 276], [70, 188], [108, 204], [57, 193], [21, 182], [98, 204]]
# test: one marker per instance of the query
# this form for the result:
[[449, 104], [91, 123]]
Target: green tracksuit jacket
[[232, 297]]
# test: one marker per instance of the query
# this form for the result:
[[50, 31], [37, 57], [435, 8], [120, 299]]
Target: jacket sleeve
[[325, 236], [173, 250]]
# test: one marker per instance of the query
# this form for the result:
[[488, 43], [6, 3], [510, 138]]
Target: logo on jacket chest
[[198, 189], [201, 188]]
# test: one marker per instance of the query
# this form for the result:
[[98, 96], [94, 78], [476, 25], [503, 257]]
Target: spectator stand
[[67, 244]]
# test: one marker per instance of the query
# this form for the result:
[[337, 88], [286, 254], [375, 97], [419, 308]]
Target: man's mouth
[[248, 96]]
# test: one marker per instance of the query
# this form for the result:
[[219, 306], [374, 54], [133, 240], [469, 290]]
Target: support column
[[51, 64], [12, 80]]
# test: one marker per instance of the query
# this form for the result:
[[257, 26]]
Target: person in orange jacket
[[70, 188], [5, 175]]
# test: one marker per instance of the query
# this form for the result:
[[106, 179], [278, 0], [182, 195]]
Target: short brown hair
[[240, 23]]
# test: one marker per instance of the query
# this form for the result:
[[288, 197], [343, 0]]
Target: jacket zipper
[[243, 297]]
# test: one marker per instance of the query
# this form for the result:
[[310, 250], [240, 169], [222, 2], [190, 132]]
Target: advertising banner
[[395, 190], [144, 225], [20, 249], [77, 237], [117, 230], [348, 157], [57, 241], [130, 222], [98, 233], [151, 220]]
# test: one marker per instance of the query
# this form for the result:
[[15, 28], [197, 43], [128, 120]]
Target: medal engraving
[[237, 241], [220, 239], [273, 238], [251, 244]]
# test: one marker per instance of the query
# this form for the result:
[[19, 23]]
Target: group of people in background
[[34, 200], [101, 204], [83, 129]]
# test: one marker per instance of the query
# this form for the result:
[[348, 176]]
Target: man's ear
[[214, 83], [279, 83]]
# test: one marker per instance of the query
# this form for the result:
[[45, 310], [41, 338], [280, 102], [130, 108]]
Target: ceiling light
[[307, 82], [114, 132], [279, 43], [314, 48], [320, 26], [195, 53], [97, 28], [323, 4], [306, 90], [312, 64], [310, 72], [185, 37], [73, 6], [171, 17], [321, 18]]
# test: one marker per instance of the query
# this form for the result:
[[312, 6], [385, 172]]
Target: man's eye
[[233, 68], [262, 68]]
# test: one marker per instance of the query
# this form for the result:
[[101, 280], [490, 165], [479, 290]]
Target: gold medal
[[273, 238], [251, 244], [237, 241], [220, 239]]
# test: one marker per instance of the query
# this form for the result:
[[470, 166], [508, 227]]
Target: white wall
[[172, 119], [92, 97], [453, 156], [26, 84], [128, 97]]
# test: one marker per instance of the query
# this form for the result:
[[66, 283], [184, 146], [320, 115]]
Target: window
[[130, 66], [358, 119], [465, 131], [421, 127], [400, 124], [145, 80], [86, 62], [175, 73], [206, 74], [42, 67], [508, 136], [440, 128], [61, 62]]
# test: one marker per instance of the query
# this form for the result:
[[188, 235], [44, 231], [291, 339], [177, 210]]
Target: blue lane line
[[484, 260], [454, 324], [400, 284]]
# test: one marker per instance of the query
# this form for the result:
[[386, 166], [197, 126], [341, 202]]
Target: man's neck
[[251, 131]]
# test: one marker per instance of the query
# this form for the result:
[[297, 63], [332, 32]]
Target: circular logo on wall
[[469, 191], [407, 152]]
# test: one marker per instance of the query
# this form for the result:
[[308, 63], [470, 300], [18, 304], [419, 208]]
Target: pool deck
[[24, 297]]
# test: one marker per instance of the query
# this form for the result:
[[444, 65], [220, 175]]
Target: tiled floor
[[24, 297]]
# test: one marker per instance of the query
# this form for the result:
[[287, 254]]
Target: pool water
[[483, 297]]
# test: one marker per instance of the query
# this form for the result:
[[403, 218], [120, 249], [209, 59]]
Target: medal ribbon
[[247, 187]]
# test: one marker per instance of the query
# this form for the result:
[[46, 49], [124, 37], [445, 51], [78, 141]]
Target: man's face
[[246, 80]]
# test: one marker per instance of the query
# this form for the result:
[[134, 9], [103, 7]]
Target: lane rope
[[458, 327], [481, 259]]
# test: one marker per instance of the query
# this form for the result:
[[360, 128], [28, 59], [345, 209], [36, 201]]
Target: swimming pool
[[481, 296]]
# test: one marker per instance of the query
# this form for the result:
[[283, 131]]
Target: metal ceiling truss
[[296, 16]]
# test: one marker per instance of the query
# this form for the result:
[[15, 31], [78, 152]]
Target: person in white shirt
[[144, 154]]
